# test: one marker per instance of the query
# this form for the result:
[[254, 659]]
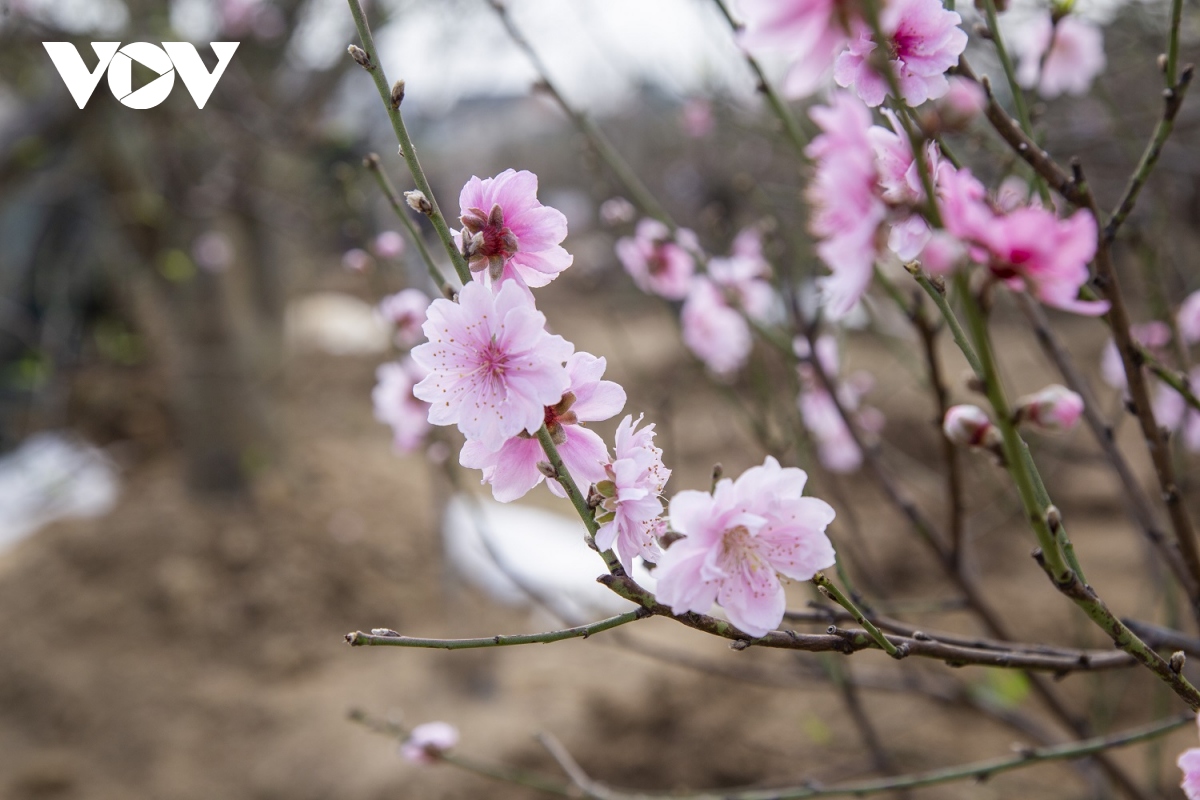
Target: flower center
[[737, 548], [491, 243], [657, 263]]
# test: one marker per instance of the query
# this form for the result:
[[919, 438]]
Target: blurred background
[[196, 502]]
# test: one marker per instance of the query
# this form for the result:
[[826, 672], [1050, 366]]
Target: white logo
[[164, 61]]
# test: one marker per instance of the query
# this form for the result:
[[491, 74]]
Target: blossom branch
[[392, 97], [1049, 554], [466, 763], [830, 589], [1139, 393], [1172, 101], [373, 164], [791, 127], [642, 196], [1138, 505], [392, 639], [978, 770], [850, 640]]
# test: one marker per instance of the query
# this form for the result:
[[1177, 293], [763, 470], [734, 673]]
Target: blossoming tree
[[897, 217]]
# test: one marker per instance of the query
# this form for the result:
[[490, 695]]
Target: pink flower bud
[[356, 260], [428, 741], [964, 100], [970, 425], [1055, 408], [388, 244]]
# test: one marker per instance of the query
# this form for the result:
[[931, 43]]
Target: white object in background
[[52, 476], [335, 323], [542, 551]]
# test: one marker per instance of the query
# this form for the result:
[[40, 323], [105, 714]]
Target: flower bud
[[1055, 408], [397, 93], [360, 56], [963, 101], [427, 742], [417, 201], [970, 425]]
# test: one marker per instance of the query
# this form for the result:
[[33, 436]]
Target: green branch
[[360, 639], [391, 101]]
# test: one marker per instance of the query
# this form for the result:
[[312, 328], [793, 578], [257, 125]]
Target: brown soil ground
[[177, 650]]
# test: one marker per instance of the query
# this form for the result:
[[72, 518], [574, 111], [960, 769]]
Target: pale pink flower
[[714, 331], [738, 540], [963, 101], [1054, 408], [617, 211], [1189, 762], [1076, 55], [836, 448], [395, 404], [942, 254], [406, 311], [743, 283], [924, 41], [507, 234], [971, 426], [213, 251], [426, 743], [1173, 412], [659, 263], [493, 367], [630, 509], [811, 31], [1188, 318], [356, 260], [748, 245], [697, 118], [513, 469], [1153, 335], [846, 208], [389, 245]]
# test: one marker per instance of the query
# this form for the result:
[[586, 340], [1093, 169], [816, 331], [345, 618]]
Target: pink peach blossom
[[630, 508], [738, 540], [1188, 318], [846, 208], [1076, 55], [396, 405], [1054, 408], [714, 331], [1032, 249], [659, 263], [924, 40], [1153, 335], [1189, 762], [493, 367], [513, 469], [1172, 412], [507, 234], [812, 32], [426, 742], [406, 311]]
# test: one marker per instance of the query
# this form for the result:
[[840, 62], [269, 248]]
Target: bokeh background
[[196, 502]]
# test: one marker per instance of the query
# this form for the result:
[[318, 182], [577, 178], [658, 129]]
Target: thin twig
[[390, 639], [1172, 101], [642, 197], [1026, 757], [373, 164], [1138, 504], [375, 68]]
